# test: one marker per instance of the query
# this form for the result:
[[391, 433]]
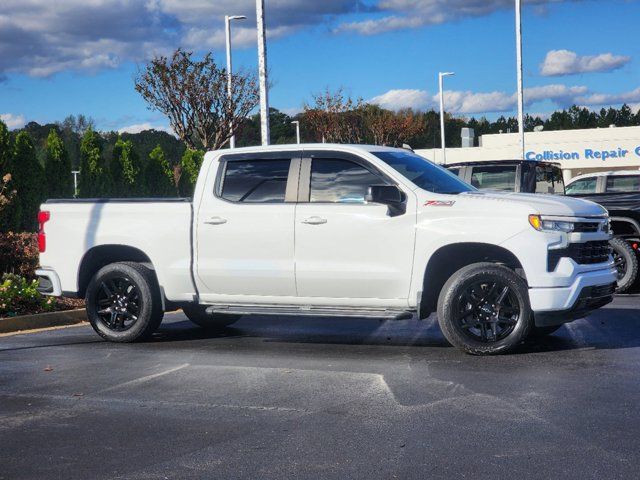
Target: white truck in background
[[331, 230]]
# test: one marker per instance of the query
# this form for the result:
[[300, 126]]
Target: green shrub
[[19, 253], [18, 296]]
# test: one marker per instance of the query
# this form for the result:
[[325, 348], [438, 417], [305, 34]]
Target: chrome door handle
[[314, 221], [216, 221]]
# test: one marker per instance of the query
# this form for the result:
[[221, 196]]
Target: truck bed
[[80, 229]]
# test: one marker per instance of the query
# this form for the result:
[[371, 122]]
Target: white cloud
[[468, 102], [402, 14], [566, 62], [399, 99], [612, 98], [141, 127], [42, 37], [13, 121]]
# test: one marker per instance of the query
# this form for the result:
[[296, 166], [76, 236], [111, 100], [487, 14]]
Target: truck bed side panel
[[161, 230]]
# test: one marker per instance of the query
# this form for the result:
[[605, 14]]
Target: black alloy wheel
[[488, 311], [484, 309], [118, 300], [124, 302]]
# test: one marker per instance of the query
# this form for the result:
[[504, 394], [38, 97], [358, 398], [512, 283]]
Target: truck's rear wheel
[[123, 302], [484, 309], [198, 315], [626, 262]]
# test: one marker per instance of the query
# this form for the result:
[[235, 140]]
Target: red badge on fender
[[439, 203]]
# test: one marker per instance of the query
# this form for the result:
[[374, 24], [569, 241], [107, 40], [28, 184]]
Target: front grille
[[586, 227], [602, 290], [582, 253]]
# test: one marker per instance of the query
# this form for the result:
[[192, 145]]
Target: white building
[[577, 151]]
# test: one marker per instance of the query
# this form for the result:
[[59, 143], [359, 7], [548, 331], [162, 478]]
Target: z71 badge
[[439, 203]]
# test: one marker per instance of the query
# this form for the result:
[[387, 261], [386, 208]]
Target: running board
[[387, 314]]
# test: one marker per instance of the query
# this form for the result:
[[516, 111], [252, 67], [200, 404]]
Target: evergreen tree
[[29, 182], [5, 148], [57, 167], [158, 175], [190, 167], [125, 170], [93, 175]]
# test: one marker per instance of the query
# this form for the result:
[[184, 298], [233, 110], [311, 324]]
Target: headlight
[[541, 224]]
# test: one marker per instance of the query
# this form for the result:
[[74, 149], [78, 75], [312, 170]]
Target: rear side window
[[495, 178], [549, 180], [584, 185], [623, 183], [456, 171], [255, 181], [340, 181]]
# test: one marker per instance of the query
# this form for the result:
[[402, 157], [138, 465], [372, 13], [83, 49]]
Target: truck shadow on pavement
[[612, 328]]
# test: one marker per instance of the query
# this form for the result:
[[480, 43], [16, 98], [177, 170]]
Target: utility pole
[[441, 76], [262, 73], [297, 124], [520, 81], [227, 29]]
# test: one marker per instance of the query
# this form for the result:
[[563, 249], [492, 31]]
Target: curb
[[42, 320]]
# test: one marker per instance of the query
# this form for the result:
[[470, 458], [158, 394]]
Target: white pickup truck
[[331, 230]]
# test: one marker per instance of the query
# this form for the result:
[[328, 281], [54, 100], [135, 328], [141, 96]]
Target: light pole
[[520, 81], [297, 123], [227, 29], [441, 76], [262, 73]]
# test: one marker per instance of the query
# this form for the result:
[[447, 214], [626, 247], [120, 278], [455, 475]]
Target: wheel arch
[[450, 258], [101, 255]]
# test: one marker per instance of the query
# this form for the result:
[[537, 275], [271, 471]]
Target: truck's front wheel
[[484, 309], [123, 302]]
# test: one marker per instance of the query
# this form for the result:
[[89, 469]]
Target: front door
[[347, 251], [245, 229]]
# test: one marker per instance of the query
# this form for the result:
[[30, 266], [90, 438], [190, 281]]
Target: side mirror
[[389, 195]]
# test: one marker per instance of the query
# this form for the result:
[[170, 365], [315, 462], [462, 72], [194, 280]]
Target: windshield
[[423, 173]]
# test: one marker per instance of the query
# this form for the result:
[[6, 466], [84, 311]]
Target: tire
[[197, 314], [626, 263], [539, 332], [123, 302], [496, 302]]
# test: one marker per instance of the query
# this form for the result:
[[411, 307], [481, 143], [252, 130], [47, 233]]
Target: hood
[[543, 204]]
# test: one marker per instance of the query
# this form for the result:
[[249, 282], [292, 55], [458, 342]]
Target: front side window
[[255, 181], [498, 177], [623, 183], [340, 181], [582, 186], [423, 173], [549, 180]]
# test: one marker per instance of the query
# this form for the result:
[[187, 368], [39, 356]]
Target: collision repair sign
[[586, 154]]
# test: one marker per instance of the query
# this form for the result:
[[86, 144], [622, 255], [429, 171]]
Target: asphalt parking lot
[[322, 398]]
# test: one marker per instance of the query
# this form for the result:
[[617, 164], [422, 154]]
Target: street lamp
[[441, 76], [227, 29], [297, 123], [520, 81]]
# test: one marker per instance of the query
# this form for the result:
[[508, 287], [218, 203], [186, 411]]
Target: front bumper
[[558, 305], [49, 282]]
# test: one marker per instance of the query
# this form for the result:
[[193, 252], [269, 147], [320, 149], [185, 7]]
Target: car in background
[[520, 176], [618, 192]]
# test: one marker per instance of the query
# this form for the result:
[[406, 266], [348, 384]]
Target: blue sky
[[64, 57]]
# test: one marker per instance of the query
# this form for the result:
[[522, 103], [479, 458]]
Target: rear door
[[349, 251], [245, 228]]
